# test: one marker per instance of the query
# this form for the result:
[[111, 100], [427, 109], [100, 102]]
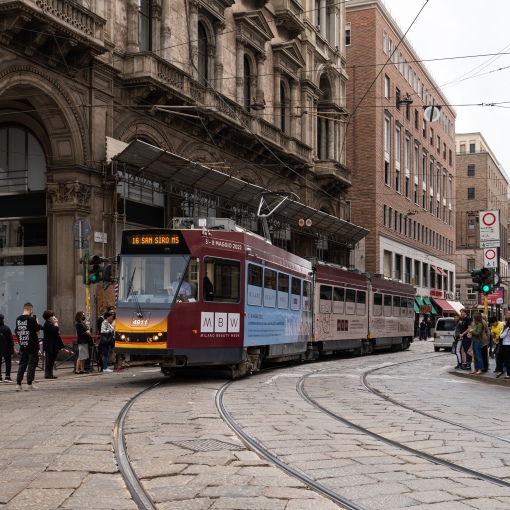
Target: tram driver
[[184, 291]]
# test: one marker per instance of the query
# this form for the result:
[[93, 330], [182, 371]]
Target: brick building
[[480, 185], [403, 168]]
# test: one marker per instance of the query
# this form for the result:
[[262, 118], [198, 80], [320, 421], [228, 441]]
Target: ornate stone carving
[[68, 193]]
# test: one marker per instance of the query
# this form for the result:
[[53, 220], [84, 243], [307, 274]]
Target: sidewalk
[[487, 377]]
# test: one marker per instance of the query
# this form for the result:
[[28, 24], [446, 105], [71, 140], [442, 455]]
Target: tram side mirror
[[107, 273]]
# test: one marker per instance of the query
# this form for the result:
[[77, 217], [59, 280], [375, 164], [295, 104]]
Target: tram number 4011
[[140, 322]]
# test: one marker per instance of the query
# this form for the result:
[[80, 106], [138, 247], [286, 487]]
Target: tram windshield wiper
[[139, 311]]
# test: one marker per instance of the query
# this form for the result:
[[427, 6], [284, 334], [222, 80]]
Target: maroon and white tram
[[198, 296]]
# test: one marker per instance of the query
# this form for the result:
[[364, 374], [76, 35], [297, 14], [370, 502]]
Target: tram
[[217, 294]]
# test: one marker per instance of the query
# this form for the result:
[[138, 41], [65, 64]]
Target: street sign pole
[[485, 303]]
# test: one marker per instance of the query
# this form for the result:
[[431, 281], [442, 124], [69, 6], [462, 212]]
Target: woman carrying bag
[[52, 343], [83, 342], [107, 339]]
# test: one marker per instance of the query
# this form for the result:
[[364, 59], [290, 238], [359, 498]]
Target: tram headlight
[[122, 337], [155, 337]]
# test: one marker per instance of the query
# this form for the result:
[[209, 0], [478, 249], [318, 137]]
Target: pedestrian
[[496, 328], [6, 349], [416, 328], [100, 321], [423, 330], [504, 339], [107, 339], [27, 328], [477, 334], [52, 342], [83, 342], [457, 344], [117, 367], [429, 328], [465, 328]]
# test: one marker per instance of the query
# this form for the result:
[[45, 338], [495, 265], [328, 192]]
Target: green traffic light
[[485, 289]]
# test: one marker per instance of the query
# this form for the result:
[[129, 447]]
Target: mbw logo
[[220, 322]]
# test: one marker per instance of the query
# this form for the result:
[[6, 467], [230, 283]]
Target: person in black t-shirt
[[465, 328], [27, 328]]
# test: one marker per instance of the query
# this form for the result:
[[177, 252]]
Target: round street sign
[[85, 228], [489, 219], [432, 113], [490, 254]]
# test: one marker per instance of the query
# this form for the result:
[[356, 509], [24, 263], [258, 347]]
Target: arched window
[[144, 25], [282, 107], [202, 54], [247, 87], [22, 160]]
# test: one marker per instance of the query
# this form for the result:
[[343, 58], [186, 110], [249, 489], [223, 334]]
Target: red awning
[[436, 270], [442, 272], [442, 303]]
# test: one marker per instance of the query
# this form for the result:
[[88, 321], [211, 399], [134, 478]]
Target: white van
[[444, 335]]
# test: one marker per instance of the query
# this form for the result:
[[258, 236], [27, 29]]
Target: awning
[[442, 303], [455, 304], [436, 270], [419, 301], [164, 167], [428, 302], [442, 272]]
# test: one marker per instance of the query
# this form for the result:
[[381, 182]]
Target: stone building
[[481, 185], [267, 83], [403, 167]]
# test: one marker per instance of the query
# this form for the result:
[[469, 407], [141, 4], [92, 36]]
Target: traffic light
[[95, 268], [476, 278], [483, 280]]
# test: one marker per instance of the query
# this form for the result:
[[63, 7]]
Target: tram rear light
[[195, 331], [245, 314]]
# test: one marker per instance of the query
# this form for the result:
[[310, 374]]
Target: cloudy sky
[[453, 28]]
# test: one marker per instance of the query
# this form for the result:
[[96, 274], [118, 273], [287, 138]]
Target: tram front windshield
[[151, 280]]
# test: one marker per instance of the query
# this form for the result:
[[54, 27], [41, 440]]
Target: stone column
[[336, 141], [166, 31], [331, 139], [193, 30], [156, 26], [294, 97], [211, 54], [333, 25], [276, 99], [259, 94], [306, 130], [240, 71], [323, 145], [322, 17], [218, 64], [132, 27]]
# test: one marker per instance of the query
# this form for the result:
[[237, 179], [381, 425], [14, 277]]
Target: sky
[[453, 28]]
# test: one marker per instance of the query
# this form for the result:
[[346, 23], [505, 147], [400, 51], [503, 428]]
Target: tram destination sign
[[152, 240]]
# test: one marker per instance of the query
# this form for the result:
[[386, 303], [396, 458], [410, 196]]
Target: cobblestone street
[[56, 450]]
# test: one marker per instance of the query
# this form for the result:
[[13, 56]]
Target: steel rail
[[431, 458], [142, 499], [255, 446], [382, 395]]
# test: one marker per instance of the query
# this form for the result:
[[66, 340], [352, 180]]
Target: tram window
[[410, 307], [338, 300], [387, 305], [403, 307], [361, 302], [222, 280], [283, 290], [350, 301], [396, 306], [307, 295], [295, 303], [325, 297], [270, 288], [377, 304], [188, 291], [254, 287]]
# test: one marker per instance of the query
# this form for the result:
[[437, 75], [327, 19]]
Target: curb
[[487, 379]]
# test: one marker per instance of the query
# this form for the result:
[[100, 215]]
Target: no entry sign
[[490, 257], [489, 227]]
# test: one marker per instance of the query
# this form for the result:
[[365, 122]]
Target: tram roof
[[160, 164]]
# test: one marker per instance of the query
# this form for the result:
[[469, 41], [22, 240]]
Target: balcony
[[288, 15], [331, 170], [32, 27]]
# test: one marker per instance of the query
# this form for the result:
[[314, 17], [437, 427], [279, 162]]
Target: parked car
[[444, 334]]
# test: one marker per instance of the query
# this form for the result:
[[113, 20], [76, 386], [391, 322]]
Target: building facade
[[263, 86], [481, 185], [403, 167]]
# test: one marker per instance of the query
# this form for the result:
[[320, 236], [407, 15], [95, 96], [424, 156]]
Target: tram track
[[376, 392], [431, 458], [133, 484]]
